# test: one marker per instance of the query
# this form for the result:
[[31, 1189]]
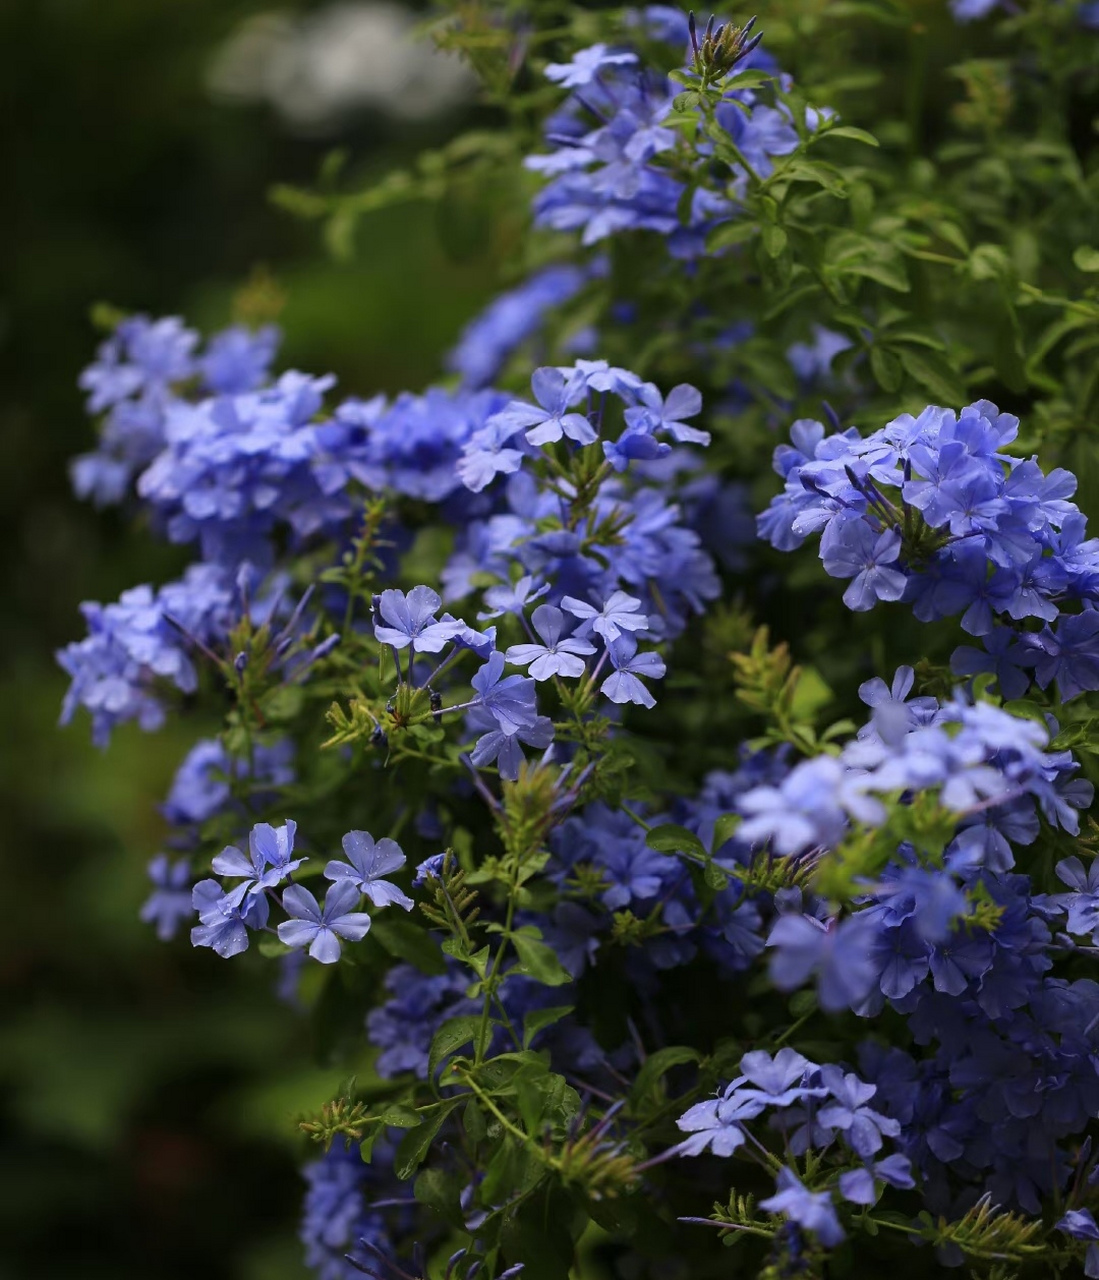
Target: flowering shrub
[[634, 952]]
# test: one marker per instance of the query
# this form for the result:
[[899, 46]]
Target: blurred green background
[[150, 1093]]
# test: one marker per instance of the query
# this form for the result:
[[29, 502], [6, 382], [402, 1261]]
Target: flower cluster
[[617, 165], [931, 510], [660, 933]]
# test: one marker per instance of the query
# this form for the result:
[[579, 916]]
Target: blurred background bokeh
[[148, 1094]]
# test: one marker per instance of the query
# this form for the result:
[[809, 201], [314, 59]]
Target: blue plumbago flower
[[336, 1218], [430, 869], [369, 862], [586, 66], [932, 506], [132, 649], [635, 444], [862, 1128], [777, 1081], [1082, 904], [991, 756], [812, 361], [1005, 655], [716, 1125], [624, 685], [411, 620], [620, 612], [403, 1027], [503, 746], [851, 549], [222, 925], [201, 787], [1080, 1225], [239, 359], [512, 598], [556, 394], [141, 353], [509, 699], [1069, 654], [659, 414], [170, 902], [813, 1211], [859, 1185], [506, 323], [891, 703], [557, 655], [610, 178], [321, 930], [268, 862], [838, 953]]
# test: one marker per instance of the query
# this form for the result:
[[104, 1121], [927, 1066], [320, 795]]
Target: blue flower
[[777, 1081], [556, 656], [851, 549], [411, 620], [371, 861], [239, 359], [1069, 654], [586, 65], [319, 929], [430, 869], [717, 1125], [504, 747], [170, 902], [839, 954], [403, 1026], [811, 1210], [862, 1128], [509, 699], [556, 395], [222, 925], [657, 413], [1082, 904], [620, 612], [512, 597], [268, 864], [1080, 1224], [624, 685], [857, 1185]]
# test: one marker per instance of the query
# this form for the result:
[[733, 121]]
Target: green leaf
[[453, 1035], [441, 1191], [730, 233], [671, 838], [658, 1064], [283, 703], [474, 1122], [724, 829], [716, 877], [407, 941], [849, 253], [414, 1146], [538, 1019], [774, 239], [933, 373], [539, 961], [886, 369], [821, 175], [856, 135], [398, 1116], [746, 80], [1086, 258]]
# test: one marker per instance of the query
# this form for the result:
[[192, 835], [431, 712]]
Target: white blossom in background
[[315, 68]]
